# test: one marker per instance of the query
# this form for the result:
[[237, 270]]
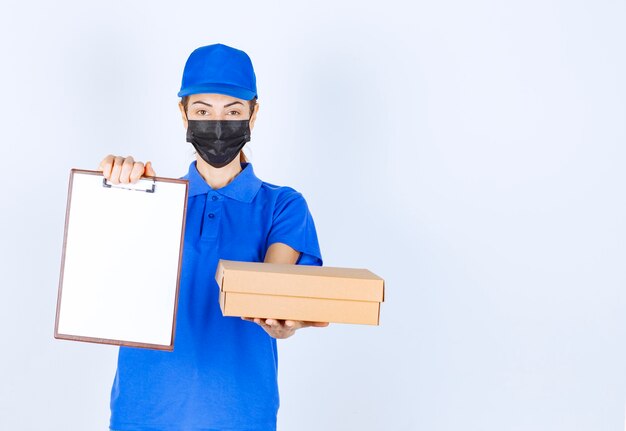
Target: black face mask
[[218, 141]]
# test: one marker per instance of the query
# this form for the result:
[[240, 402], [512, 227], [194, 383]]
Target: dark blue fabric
[[222, 374]]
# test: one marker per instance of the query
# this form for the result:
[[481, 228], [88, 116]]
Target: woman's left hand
[[283, 328]]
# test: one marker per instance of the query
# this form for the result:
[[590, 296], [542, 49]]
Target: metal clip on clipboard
[[135, 186]]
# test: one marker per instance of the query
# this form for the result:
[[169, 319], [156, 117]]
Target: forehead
[[214, 99]]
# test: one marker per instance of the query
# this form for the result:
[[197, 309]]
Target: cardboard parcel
[[299, 292]]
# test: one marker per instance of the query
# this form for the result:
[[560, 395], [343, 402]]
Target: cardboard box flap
[[299, 280]]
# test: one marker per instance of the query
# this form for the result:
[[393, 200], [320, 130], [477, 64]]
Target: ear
[[253, 116], [182, 113]]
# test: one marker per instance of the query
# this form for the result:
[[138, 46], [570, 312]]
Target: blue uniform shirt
[[222, 374]]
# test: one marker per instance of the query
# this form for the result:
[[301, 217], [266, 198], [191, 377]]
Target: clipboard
[[120, 267]]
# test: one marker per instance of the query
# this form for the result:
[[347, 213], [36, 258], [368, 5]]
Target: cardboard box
[[299, 292]]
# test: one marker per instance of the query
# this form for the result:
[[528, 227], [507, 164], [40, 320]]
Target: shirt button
[[211, 215], [214, 198]]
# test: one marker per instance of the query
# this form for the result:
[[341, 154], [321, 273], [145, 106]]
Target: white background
[[471, 153]]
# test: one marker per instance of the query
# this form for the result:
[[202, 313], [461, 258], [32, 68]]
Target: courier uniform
[[222, 374]]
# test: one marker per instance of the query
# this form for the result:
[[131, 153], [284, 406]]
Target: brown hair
[[252, 103]]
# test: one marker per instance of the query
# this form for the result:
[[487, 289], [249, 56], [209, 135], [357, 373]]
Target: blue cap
[[219, 69]]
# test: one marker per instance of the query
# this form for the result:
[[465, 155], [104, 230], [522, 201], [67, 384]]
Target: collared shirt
[[222, 373]]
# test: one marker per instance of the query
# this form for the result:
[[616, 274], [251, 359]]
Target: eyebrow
[[225, 106]]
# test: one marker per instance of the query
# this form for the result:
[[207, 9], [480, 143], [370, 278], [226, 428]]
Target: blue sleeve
[[293, 225]]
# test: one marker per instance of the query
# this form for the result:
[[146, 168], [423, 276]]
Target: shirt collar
[[243, 187]]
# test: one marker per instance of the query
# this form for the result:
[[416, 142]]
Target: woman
[[222, 374]]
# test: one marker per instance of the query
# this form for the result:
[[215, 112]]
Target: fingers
[[273, 323], [106, 165], [149, 172], [278, 329], [303, 324], [295, 324], [127, 168], [119, 169], [136, 171], [273, 327], [319, 324], [266, 322], [292, 324], [283, 328], [116, 170]]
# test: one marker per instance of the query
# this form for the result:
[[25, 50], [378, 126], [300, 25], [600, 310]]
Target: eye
[[201, 112], [233, 113]]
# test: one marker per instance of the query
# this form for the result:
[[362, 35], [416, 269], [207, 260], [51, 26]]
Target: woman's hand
[[283, 328], [117, 169], [279, 252]]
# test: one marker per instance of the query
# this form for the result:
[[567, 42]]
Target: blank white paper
[[121, 261]]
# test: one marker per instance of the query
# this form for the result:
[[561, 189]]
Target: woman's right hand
[[117, 169]]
